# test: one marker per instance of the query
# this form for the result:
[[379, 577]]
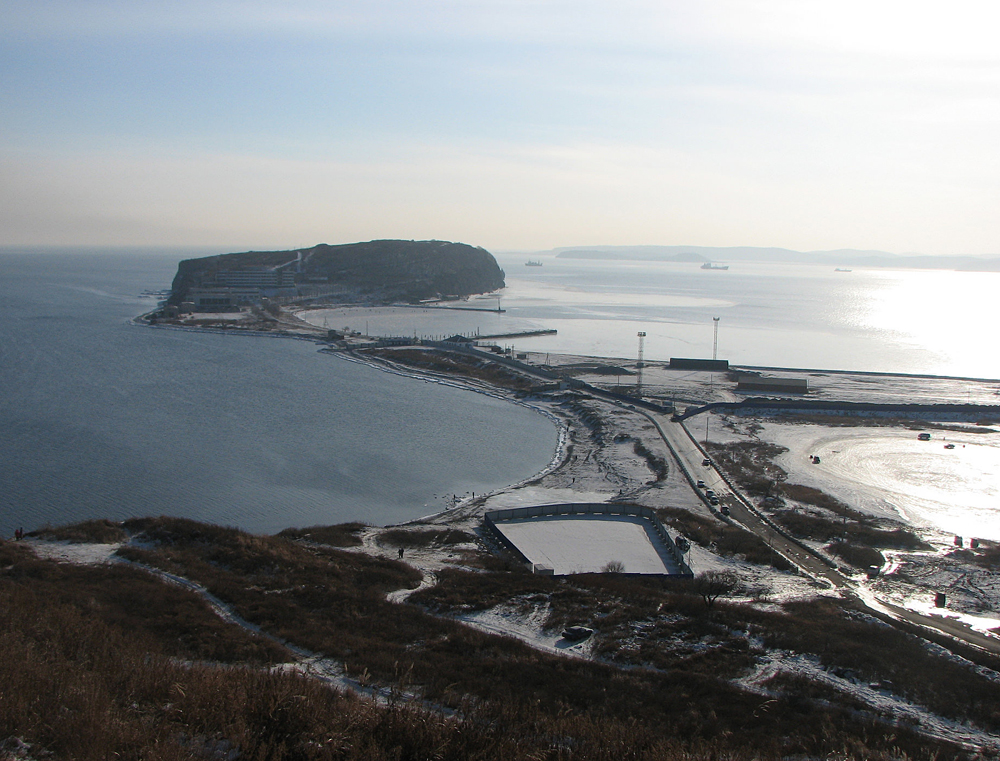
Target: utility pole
[[715, 341], [639, 364]]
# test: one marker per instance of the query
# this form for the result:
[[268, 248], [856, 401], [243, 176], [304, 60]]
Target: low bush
[[751, 464], [95, 532], [430, 537], [986, 555], [723, 537], [857, 555], [338, 535], [656, 464]]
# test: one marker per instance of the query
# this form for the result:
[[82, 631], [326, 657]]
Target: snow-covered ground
[[70, 552], [587, 543], [888, 472]]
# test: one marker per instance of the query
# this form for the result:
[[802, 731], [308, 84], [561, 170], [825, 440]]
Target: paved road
[[690, 457]]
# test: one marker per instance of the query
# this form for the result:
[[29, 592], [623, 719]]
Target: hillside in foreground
[[199, 641]]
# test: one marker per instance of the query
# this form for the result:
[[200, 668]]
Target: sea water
[[933, 322], [925, 322], [101, 418]]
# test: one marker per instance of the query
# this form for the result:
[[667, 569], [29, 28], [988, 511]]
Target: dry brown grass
[[457, 363], [96, 532], [722, 538], [119, 696], [427, 537], [339, 535]]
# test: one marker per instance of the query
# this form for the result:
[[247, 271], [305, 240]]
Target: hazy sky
[[502, 123]]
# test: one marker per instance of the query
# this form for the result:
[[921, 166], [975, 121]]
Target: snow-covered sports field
[[587, 543]]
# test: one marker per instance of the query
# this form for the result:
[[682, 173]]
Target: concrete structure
[[586, 538]]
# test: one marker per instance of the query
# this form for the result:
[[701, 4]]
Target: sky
[[510, 124]]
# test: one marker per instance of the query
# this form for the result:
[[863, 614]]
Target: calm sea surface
[[777, 315], [102, 418]]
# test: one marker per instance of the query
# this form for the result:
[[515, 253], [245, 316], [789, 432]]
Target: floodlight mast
[[639, 364]]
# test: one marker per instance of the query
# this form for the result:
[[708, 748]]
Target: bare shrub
[[712, 585], [613, 566]]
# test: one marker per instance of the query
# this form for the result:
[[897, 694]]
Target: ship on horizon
[[533, 263], [710, 266]]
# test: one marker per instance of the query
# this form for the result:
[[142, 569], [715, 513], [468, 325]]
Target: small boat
[[533, 263], [710, 266]]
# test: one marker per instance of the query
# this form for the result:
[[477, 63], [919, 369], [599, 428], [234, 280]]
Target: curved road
[[690, 457]]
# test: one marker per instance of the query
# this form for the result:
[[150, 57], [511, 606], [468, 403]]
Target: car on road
[[709, 493], [701, 484], [706, 462], [724, 509]]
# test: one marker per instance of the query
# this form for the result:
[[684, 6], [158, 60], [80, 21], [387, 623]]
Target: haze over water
[[932, 322]]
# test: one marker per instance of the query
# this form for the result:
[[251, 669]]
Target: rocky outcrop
[[379, 271]]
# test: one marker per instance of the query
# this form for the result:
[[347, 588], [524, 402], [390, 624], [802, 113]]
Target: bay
[[101, 418]]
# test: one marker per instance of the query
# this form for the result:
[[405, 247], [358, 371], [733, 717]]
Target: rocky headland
[[378, 271]]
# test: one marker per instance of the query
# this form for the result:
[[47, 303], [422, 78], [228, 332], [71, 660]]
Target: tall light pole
[[715, 341], [639, 364]]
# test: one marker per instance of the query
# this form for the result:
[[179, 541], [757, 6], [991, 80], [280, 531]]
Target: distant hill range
[[379, 271], [838, 258]]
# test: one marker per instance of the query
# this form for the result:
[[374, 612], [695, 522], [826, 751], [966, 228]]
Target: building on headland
[[229, 289], [747, 382], [224, 299], [263, 278]]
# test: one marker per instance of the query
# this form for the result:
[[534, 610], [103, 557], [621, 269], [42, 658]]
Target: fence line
[[491, 517]]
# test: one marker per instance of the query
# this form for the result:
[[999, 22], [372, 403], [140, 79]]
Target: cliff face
[[378, 271]]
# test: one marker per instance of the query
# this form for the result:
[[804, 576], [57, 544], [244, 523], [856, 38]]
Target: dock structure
[[519, 334]]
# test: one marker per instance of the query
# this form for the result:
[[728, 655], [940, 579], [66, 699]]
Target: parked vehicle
[[577, 633], [924, 436], [706, 462], [701, 484]]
